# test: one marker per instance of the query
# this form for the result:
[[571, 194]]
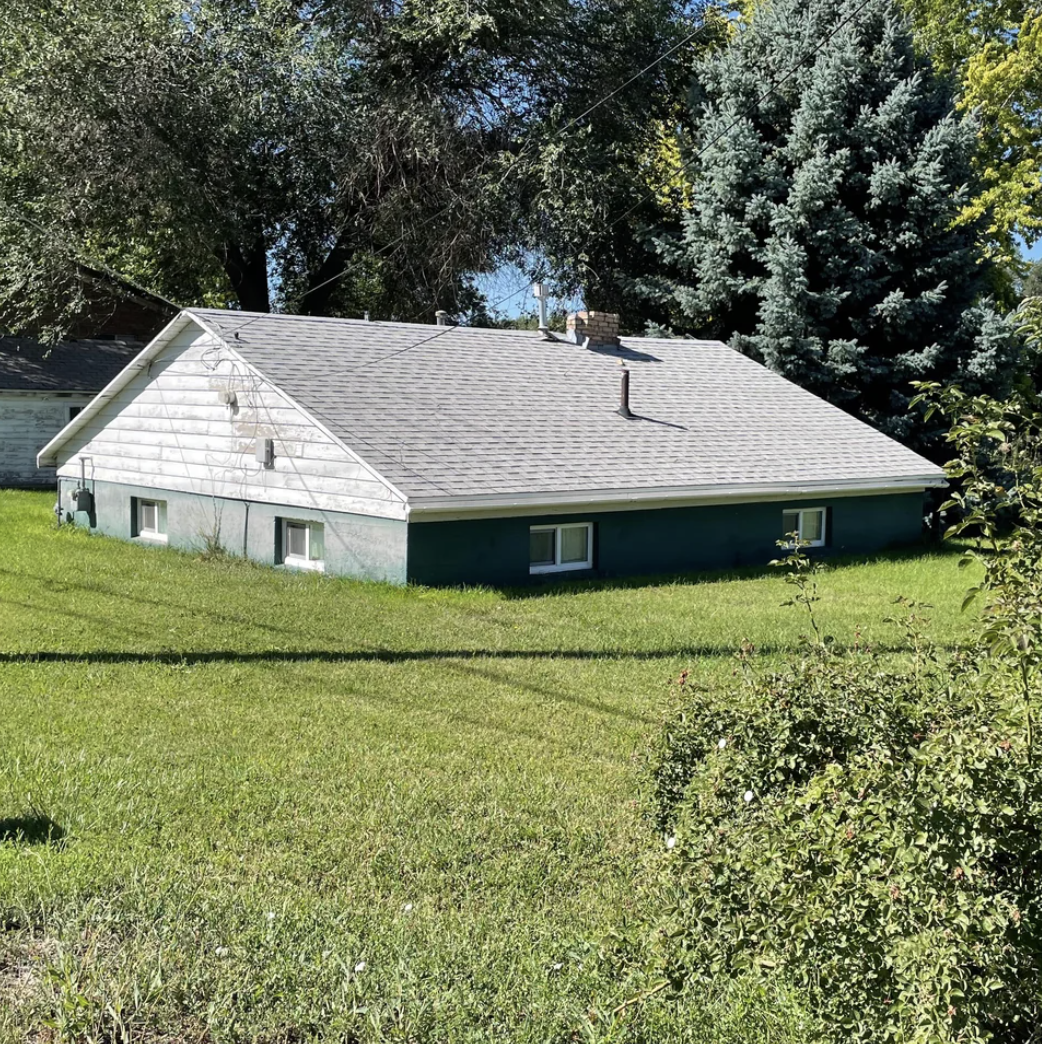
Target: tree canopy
[[827, 171], [249, 151], [993, 50]]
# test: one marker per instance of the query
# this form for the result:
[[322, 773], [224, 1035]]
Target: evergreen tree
[[821, 236]]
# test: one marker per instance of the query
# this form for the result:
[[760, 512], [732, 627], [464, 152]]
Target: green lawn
[[264, 781]]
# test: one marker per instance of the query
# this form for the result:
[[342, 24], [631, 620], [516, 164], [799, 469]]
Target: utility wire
[[532, 142], [92, 264], [842, 24]]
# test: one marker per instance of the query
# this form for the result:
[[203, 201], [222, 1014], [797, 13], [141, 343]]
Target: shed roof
[[466, 414], [69, 366]]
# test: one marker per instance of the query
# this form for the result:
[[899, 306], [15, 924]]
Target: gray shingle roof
[[462, 412], [69, 366]]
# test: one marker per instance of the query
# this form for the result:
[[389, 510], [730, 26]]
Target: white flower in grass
[[221, 951], [558, 966], [748, 796], [407, 908], [270, 915], [671, 842], [722, 743], [360, 966]]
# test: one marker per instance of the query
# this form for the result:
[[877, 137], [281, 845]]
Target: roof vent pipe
[[624, 395], [441, 317], [540, 294]]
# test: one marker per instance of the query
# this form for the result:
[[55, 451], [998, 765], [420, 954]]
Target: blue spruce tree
[[822, 237]]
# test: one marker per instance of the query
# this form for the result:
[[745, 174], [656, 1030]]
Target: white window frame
[[800, 512], [157, 535], [295, 561], [559, 566]]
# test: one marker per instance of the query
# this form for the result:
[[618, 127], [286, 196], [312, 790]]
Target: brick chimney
[[600, 327]]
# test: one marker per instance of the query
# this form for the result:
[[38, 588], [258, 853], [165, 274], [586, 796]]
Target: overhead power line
[[533, 142], [685, 166]]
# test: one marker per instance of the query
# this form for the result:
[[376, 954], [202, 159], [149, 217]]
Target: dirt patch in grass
[[23, 961]]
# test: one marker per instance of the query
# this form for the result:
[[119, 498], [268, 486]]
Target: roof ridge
[[402, 324]]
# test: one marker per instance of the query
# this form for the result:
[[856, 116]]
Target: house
[[448, 455], [42, 388]]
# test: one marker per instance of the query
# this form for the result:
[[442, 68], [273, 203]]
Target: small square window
[[150, 519], [807, 523], [71, 412], [302, 544], [553, 549]]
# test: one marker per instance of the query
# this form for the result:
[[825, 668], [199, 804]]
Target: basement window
[[149, 519], [807, 523], [554, 549], [303, 544]]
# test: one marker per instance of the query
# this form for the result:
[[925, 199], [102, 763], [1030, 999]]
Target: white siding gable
[[168, 428]]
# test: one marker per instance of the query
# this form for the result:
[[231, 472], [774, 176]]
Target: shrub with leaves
[[867, 829]]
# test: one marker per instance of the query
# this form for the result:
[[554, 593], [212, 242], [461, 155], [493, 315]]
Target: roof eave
[[607, 499]]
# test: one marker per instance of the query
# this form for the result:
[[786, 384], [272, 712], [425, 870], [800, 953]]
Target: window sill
[[307, 564], [152, 538], [570, 567]]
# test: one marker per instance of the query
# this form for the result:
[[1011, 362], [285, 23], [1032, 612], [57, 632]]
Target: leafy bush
[[870, 832]]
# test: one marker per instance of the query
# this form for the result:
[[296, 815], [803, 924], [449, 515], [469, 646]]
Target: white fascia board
[[311, 418], [443, 509], [48, 456]]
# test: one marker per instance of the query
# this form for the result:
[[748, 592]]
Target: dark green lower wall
[[663, 540]]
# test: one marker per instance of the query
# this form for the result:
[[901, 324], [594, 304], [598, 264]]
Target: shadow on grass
[[205, 656], [759, 571], [31, 830]]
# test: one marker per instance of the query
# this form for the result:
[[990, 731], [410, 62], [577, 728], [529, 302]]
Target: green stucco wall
[[360, 546], [662, 540]]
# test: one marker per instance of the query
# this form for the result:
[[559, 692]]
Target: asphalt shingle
[[69, 366], [461, 411]]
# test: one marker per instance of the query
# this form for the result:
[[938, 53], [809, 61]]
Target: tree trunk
[[248, 272], [315, 300]]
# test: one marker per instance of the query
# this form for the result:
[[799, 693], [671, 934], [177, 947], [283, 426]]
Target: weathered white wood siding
[[28, 421], [169, 429]]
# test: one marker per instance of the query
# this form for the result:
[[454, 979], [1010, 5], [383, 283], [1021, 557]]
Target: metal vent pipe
[[624, 395]]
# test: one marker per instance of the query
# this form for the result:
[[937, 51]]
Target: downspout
[[245, 529]]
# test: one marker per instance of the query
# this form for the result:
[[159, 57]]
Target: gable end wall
[[168, 429]]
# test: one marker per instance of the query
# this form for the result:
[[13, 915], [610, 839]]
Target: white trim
[[558, 566], [316, 565], [156, 535], [448, 509], [799, 512]]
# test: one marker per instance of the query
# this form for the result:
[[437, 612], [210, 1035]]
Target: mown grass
[[242, 805]]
